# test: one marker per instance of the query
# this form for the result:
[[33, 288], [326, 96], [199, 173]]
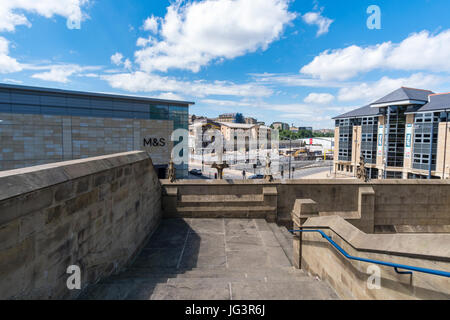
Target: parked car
[[257, 176], [196, 172]]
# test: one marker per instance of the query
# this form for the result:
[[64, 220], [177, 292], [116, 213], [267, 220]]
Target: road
[[208, 173]]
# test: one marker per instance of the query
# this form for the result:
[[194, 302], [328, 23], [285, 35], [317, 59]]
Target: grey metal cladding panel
[[40, 90], [122, 105], [102, 113], [53, 100], [25, 98], [22, 108], [141, 107], [122, 114], [81, 112], [78, 102], [141, 115], [5, 96], [5, 107], [54, 110], [102, 103]]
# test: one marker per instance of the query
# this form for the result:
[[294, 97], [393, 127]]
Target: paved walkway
[[213, 259]]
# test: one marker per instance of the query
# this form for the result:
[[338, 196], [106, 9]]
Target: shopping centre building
[[404, 135], [40, 125]]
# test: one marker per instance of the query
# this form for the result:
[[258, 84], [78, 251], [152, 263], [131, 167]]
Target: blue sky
[[300, 62]]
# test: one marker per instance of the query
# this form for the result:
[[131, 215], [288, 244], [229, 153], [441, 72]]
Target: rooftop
[[90, 94], [238, 125], [365, 111], [437, 102], [403, 96], [418, 100]]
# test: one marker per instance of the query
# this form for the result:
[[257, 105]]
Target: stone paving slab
[[212, 259], [206, 226]]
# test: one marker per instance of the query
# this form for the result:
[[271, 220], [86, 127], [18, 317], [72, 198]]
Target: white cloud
[[345, 63], [369, 92], [420, 51], [7, 64], [60, 73], [143, 42], [170, 96], [117, 58], [319, 98], [14, 81], [151, 24], [226, 103], [127, 64], [316, 18], [12, 12], [196, 33], [144, 82], [296, 80]]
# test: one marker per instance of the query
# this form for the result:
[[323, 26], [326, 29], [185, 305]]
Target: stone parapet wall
[[395, 202], [354, 279], [95, 213]]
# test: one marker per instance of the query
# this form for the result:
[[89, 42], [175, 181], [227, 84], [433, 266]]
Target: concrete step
[[221, 200], [286, 234], [278, 274], [241, 212], [210, 289], [285, 242]]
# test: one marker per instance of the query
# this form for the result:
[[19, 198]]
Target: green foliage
[[323, 135], [302, 134]]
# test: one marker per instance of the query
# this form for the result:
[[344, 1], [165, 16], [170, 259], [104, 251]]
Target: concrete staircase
[[250, 206], [213, 259]]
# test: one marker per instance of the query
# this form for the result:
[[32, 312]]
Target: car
[[196, 172], [256, 176]]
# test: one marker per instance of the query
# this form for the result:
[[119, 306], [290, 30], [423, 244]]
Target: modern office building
[[404, 135], [40, 125]]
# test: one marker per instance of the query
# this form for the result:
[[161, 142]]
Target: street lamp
[[290, 155]]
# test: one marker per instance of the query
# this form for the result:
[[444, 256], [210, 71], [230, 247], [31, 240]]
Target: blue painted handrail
[[396, 266]]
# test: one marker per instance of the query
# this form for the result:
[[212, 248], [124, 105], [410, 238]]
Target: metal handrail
[[396, 266]]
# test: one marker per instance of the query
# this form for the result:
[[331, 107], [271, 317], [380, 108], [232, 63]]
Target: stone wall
[[351, 279], [396, 202], [95, 213], [35, 139]]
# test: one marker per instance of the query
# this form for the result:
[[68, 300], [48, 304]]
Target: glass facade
[[395, 138], [66, 105], [345, 138], [369, 131], [425, 140]]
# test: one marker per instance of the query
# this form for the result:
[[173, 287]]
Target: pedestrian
[[282, 173], [243, 174]]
